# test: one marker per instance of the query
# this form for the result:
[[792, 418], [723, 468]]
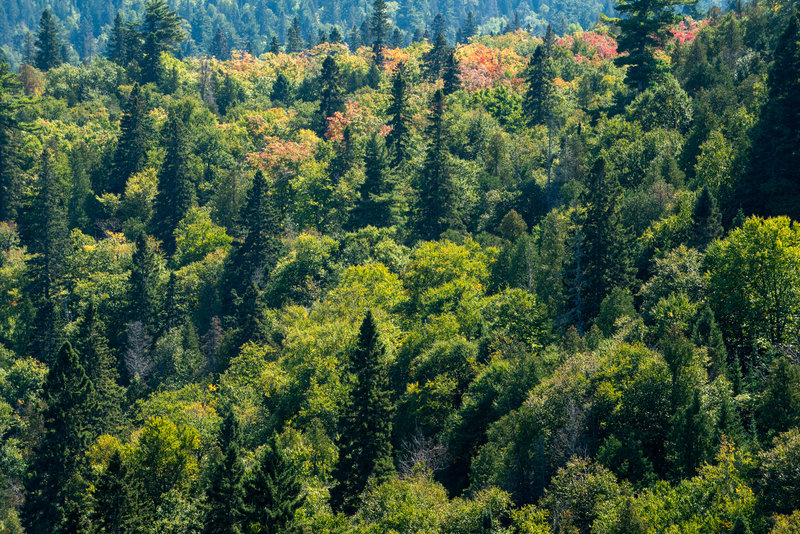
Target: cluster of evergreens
[[517, 285]]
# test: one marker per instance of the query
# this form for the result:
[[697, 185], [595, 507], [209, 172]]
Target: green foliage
[[48, 43]]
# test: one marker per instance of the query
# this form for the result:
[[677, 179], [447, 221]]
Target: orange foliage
[[482, 67]]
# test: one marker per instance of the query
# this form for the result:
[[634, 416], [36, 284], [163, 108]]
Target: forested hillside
[[521, 284]]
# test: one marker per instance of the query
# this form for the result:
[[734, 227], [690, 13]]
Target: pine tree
[[144, 297], [71, 402], [435, 206], [540, 99], [136, 130], [273, 492], [162, 32], [220, 48], [46, 235], [252, 258], [399, 138], [101, 368], [451, 76], [176, 190], [379, 27], [281, 90], [365, 447], [224, 506], [10, 180], [48, 43], [374, 207], [642, 29], [331, 95], [706, 221], [606, 262]]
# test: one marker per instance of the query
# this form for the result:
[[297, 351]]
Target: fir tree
[[335, 37], [136, 130], [116, 508], [224, 507], [144, 298], [435, 59], [451, 76], [294, 40], [162, 32], [101, 368], [470, 28], [540, 99], [220, 48], [606, 262], [399, 138], [252, 258], [375, 202], [346, 156], [117, 41], [379, 27], [273, 492], [642, 25], [706, 221], [331, 95], [71, 402], [274, 45], [365, 447], [435, 207], [48, 43], [691, 438], [706, 333], [176, 190], [10, 180], [281, 90]]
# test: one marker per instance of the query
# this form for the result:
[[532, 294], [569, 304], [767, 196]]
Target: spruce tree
[[48, 43], [115, 508], [253, 256], [452, 74], [117, 41], [162, 32], [706, 333], [399, 138], [331, 95], [281, 90], [273, 492], [176, 190], [220, 48], [643, 25], [136, 130], [435, 59], [435, 205], [606, 262], [374, 207], [365, 428], [335, 37], [540, 99], [60, 456], [294, 39], [470, 28], [274, 45], [10, 175], [144, 297], [224, 506], [706, 221], [690, 443], [379, 27]]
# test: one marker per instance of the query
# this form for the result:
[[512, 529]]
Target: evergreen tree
[[115, 508], [294, 40], [690, 443], [144, 298], [540, 99], [470, 28], [643, 27], [435, 207], [365, 447], [274, 45], [772, 183], [71, 402], [46, 234], [375, 201], [335, 36], [117, 41], [451, 76], [101, 368], [10, 180], [346, 156], [331, 95], [136, 130], [253, 257], [224, 507], [706, 333], [162, 32], [281, 90], [176, 189], [220, 48], [273, 492], [435, 59], [706, 221], [379, 27], [399, 112], [48, 43], [606, 261]]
